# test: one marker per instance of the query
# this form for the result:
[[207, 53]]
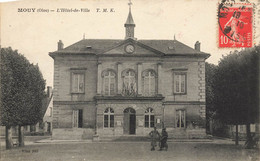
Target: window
[[129, 84], [109, 118], [77, 118], [180, 119], [109, 82], [179, 83], [78, 82], [149, 118], [148, 79]]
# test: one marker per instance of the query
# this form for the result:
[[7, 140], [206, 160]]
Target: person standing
[[163, 139], [155, 135]]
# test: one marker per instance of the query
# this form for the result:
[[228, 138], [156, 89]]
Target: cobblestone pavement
[[126, 151]]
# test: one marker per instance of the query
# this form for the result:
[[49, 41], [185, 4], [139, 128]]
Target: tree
[[236, 89], [22, 91]]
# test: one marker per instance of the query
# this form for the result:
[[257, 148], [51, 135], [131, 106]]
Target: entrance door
[[129, 121], [48, 127], [132, 124]]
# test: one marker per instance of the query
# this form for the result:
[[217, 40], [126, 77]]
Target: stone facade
[[126, 87]]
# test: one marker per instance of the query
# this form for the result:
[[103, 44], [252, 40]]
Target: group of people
[[161, 138]]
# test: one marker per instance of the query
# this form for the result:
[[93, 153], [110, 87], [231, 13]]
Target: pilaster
[[139, 78], [119, 78], [99, 78], [159, 78]]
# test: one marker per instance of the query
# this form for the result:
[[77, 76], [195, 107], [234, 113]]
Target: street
[[121, 151]]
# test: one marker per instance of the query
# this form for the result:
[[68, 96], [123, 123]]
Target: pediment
[[131, 47]]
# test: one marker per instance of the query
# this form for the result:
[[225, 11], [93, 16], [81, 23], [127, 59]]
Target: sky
[[35, 34]]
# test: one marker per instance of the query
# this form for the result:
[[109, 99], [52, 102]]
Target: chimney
[[49, 91], [60, 45], [197, 46]]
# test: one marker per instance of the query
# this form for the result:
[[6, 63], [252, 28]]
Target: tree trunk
[[249, 139], [257, 131], [211, 127], [21, 136], [236, 134], [8, 137]]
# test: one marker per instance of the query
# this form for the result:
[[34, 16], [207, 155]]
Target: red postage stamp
[[235, 24]]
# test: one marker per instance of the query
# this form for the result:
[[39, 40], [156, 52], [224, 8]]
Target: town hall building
[[121, 87]]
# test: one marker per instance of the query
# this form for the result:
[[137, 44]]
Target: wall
[[119, 106], [62, 77], [64, 102]]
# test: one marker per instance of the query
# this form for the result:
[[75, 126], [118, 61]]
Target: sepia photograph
[[134, 80]]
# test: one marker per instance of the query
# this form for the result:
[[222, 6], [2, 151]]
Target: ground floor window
[[149, 118], [109, 118], [77, 118], [180, 119]]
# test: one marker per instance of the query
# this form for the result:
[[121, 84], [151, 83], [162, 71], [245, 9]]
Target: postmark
[[235, 24]]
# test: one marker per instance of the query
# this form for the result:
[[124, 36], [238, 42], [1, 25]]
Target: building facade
[[108, 87]]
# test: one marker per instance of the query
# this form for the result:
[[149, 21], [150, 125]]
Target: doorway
[[129, 121]]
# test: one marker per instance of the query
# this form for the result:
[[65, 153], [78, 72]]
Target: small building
[[118, 87], [47, 118]]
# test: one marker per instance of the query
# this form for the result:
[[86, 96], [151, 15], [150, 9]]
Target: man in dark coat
[[163, 140], [155, 136]]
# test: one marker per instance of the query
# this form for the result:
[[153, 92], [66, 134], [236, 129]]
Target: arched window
[[109, 82], [148, 79], [129, 83], [149, 118], [109, 118]]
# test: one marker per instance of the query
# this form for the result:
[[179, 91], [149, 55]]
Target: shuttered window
[[78, 84]]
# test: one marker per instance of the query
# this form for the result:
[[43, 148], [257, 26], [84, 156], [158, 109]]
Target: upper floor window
[[109, 82], [109, 118], [129, 83], [179, 83], [78, 82], [149, 118], [148, 79]]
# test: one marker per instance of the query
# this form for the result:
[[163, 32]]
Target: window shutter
[[152, 86], [182, 83], [81, 83], [177, 81], [74, 82], [75, 118]]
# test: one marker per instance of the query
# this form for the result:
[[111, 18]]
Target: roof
[[45, 104], [92, 45], [130, 20], [170, 46], [97, 46]]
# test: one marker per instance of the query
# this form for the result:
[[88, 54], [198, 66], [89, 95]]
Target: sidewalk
[[113, 140], [116, 141]]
